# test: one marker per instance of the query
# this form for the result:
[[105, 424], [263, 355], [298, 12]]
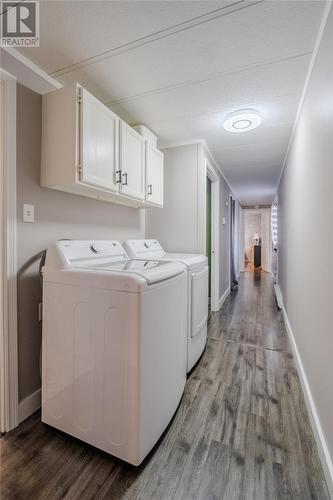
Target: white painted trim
[[3, 346], [215, 224], [228, 207], [8, 268], [201, 202], [26, 72], [237, 224], [29, 405], [307, 81], [241, 240], [313, 414], [224, 297], [219, 168], [278, 296]]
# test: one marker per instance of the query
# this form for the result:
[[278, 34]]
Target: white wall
[[306, 236], [58, 215], [176, 225]]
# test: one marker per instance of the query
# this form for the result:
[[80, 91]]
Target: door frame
[[232, 232], [215, 226], [241, 239], [276, 275], [8, 257]]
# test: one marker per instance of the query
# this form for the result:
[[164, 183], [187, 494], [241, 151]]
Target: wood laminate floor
[[241, 431]]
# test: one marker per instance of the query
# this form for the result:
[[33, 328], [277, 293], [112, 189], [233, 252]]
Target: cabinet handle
[[124, 183], [150, 189], [118, 176]]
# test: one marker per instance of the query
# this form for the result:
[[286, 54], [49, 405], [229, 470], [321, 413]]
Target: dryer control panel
[[137, 249]]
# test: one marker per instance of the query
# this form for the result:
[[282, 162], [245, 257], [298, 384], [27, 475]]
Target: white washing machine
[[197, 290], [114, 345]]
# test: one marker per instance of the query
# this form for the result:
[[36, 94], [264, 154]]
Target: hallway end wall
[[305, 272]]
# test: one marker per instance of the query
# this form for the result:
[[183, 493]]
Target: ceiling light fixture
[[242, 120]]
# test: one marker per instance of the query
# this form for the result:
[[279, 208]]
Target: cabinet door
[[99, 138], [132, 158], [154, 175]]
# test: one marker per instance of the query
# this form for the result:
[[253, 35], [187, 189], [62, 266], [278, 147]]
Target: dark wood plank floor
[[241, 431]]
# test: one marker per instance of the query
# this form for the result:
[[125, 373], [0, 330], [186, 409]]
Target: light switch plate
[[223, 221], [28, 213]]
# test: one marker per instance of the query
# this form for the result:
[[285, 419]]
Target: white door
[[99, 143], [266, 241], [132, 162], [154, 175]]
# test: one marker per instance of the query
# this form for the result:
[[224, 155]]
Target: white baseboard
[[323, 451], [29, 405], [224, 296], [278, 296]]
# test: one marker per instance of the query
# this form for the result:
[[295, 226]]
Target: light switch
[[223, 221], [28, 213]]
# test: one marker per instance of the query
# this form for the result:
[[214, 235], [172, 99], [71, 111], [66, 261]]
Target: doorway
[[212, 233], [257, 240], [233, 260]]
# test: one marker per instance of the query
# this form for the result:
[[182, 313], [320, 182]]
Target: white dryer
[[114, 345], [197, 290]]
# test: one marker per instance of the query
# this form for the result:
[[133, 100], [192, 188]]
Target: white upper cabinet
[[87, 150], [132, 162], [154, 175], [99, 152]]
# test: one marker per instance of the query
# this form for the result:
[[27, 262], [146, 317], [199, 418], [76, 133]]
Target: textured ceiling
[[181, 66]]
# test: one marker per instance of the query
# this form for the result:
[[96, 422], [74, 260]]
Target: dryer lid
[[191, 260], [152, 249]]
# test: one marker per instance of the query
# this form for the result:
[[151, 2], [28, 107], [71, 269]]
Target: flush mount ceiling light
[[242, 120]]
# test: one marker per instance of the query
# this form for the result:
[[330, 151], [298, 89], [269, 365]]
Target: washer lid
[[152, 271], [104, 258]]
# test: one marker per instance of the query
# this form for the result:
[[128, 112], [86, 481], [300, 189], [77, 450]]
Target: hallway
[[241, 431]]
